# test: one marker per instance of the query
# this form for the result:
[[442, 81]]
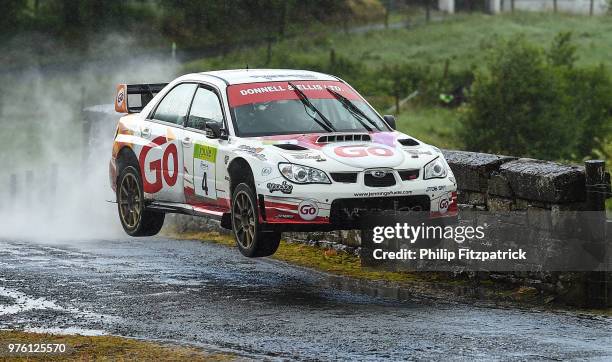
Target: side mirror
[[390, 121], [214, 130]]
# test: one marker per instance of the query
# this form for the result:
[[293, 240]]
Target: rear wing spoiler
[[132, 98]]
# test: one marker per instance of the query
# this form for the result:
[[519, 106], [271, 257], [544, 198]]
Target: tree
[[402, 79], [11, 15], [535, 102], [517, 106]]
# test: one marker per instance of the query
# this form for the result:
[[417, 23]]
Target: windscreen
[[273, 108]]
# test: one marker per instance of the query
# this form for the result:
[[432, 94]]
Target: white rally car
[[267, 151]]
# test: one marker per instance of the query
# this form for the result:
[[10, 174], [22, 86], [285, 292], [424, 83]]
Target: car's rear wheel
[[135, 218], [251, 239]]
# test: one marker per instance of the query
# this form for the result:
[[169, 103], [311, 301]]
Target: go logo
[[360, 151], [443, 206], [308, 210], [160, 166]]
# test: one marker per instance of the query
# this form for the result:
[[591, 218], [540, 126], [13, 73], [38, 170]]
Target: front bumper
[[345, 205]]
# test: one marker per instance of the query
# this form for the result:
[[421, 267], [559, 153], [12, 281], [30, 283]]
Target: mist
[[54, 182]]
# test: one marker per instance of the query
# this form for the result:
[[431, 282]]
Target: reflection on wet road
[[208, 295]]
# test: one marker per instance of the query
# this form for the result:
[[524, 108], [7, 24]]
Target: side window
[[205, 108], [175, 105]]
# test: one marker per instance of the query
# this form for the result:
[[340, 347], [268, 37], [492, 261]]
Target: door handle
[[145, 132], [186, 142]]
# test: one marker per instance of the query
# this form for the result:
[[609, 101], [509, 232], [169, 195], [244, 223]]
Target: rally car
[[267, 151]]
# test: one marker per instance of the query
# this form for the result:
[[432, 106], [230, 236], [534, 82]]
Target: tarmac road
[[208, 295]]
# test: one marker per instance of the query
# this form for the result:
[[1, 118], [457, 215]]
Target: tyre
[[251, 239], [135, 219]]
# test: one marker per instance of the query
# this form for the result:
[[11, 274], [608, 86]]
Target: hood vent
[[344, 138], [291, 147], [408, 142]]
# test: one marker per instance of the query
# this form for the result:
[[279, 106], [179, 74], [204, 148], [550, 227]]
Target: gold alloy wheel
[[243, 218], [130, 203]]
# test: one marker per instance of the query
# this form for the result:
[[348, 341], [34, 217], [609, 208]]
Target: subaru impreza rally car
[[267, 151]]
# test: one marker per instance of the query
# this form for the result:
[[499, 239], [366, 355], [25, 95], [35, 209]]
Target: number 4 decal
[[205, 183], [204, 159]]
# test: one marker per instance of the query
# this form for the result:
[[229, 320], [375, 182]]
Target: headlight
[[303, 174], [435, 169]]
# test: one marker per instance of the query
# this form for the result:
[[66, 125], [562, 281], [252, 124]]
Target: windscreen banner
[[253, 93]]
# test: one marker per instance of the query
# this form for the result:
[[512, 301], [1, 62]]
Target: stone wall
[[539, 195]]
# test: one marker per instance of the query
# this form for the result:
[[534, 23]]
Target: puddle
[[69, 330]]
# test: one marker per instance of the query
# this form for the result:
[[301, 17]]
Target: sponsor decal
[[309, 156], [362, 151], [255, 152], [159, 167], [285, 187], [226, 159], [252, 93], [435, 188], [308, 210], [266, 171], [121, 97], [443, 205], [279, 142], [285, 216], [357, 212], [416, 153], [204, 152], [382, 193]]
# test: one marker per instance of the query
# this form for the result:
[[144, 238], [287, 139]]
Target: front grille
[[344, 138], [407, 175], [387, 180], [350, 212], [346, 177]]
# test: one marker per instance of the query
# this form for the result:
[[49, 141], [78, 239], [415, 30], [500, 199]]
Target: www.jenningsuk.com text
[[412, 233]]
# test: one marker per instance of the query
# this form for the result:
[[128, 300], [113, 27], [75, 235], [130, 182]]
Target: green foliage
[[536, 103], [190, 23], [563, 51], [590, 91], [400, 80]]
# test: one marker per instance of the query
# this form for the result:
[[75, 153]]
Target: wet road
[[207, 295]]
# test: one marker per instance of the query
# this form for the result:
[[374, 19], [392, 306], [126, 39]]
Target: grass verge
[[462, 38], [101, 348]]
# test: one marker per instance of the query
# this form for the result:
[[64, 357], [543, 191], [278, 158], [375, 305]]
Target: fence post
[[555, 6], [494, 7], [598, 283], [29, 186], [13, 191], [591, 7], [52, 186]]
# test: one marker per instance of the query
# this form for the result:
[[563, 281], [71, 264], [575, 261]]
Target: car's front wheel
[[251, 240], [135, 219]]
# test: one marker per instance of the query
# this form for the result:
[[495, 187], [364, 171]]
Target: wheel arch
[[126, 156], [239, 170]]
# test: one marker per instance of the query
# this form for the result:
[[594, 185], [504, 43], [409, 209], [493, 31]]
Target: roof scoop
[[347, 137]]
